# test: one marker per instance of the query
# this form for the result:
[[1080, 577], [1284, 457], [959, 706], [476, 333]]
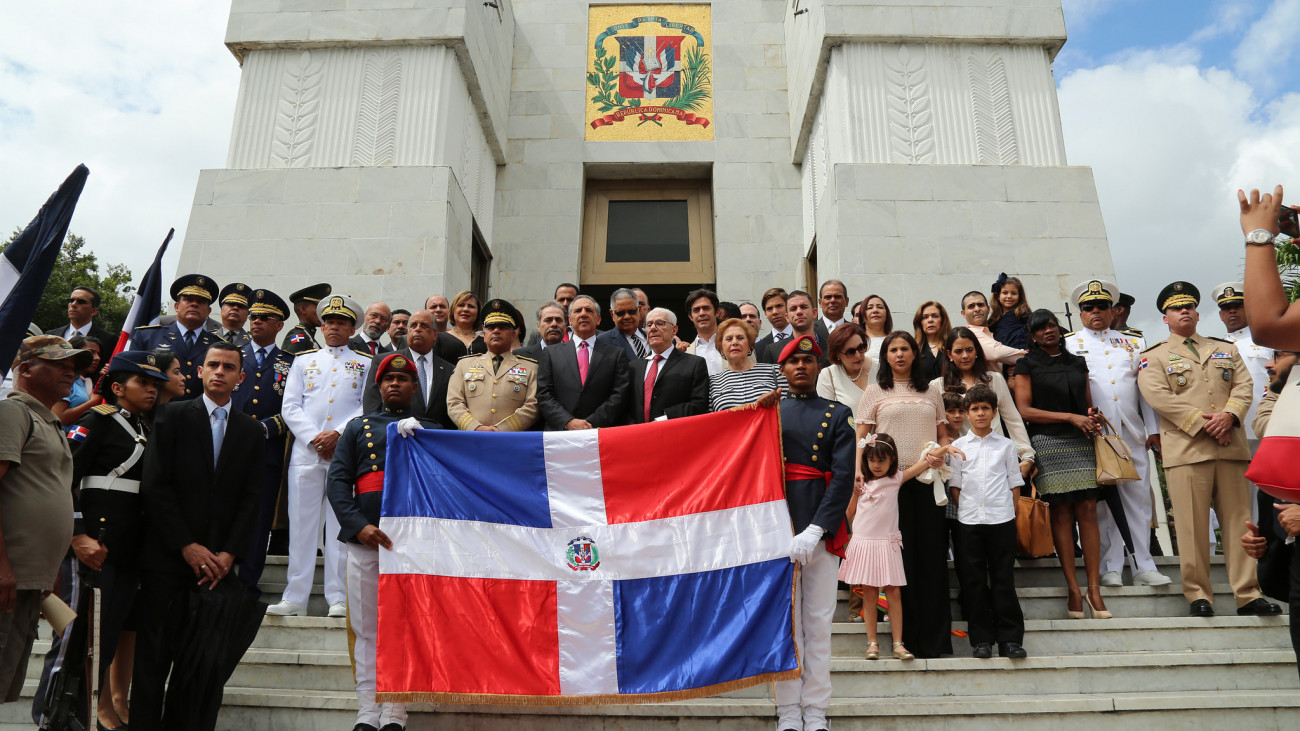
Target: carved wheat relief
[[911, 125], [297, 112], [990, 97], [375, 142]]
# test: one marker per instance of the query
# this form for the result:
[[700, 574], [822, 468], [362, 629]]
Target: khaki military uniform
[[1182, 388], [504, 397]]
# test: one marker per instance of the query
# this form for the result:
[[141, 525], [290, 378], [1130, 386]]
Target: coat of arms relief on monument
[[649, 73]]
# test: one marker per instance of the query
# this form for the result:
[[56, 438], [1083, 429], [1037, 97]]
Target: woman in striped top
[[743, 380]]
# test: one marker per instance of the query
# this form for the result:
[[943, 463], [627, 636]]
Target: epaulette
[[362, 352], [147, 327], [1221, 340], [1134, 332], [1153, 347], [1069, 333], [468, 355], [105, 409], [524, 357], [304, 352]]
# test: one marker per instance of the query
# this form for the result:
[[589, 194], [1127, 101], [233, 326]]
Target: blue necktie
[[424, 375], [189, 339], [261, 353], [218, 431]]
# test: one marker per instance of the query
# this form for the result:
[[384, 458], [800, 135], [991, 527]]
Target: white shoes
[[338, 609], [1151, 578], [1112, 578], [286, 608]]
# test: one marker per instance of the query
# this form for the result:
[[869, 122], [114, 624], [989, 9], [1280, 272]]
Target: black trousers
[[1295, 599], [988, 587], [164, 600], [927, 625], [254, 561]]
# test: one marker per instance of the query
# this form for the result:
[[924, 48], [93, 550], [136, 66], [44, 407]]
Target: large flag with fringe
[[625, 565]]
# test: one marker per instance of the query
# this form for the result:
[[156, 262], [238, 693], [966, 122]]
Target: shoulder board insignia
[[147, 327], [1220, 340], [1131, 331], [105, 409], [1072, 332], [469, 355], [305, 352], [360, 352], [526, 358], [1150, 348]]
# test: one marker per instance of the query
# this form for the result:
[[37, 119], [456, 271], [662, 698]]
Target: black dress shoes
[[364, 727], [1201, 608], [1012, 650], [394, 726], [982, 651], [1259, 607]]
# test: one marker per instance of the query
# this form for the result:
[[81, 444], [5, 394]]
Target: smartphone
[[1287, 215]]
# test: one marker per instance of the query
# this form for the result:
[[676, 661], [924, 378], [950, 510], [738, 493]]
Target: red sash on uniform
[[835, 544], [370, 482]]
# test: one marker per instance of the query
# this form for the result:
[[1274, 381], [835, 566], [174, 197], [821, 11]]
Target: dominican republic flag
[[649, 67], [147, 306], [25, 264], [624, 565]]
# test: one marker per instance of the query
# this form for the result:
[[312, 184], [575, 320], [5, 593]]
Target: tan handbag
[[1033, 526], [1114, 461]]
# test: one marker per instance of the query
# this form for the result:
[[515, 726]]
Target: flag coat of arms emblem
[[602, 566], [650, 67]]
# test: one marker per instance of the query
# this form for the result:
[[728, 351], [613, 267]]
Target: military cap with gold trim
[[266, 302], [194, 285], [1095, 290], [1126, 300], [340, 306], [395, 362], [1178, 294], [501, 311], [804, 344], [312, 293], [1230, 293], [137, 361], [235, 294]]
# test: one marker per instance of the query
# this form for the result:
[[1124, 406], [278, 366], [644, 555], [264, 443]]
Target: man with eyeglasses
[[1113, 359], [260, 395], [667, 384], [83, 305], [626, 333]]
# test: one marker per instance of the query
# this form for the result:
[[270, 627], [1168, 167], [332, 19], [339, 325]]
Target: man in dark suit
[[372, 329], [83, 305], [202, 479], [677, 383], [802, 316], [260, 395], [187, 338], [433, 374], [626, 332], [584, 383], [773, 305], [552, 324]]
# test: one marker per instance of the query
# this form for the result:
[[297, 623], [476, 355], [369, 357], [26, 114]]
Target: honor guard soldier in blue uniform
[[302, 336], [234, 301], [192, 295], [107, 446], [266, 370], [355, 488], [817, 437]]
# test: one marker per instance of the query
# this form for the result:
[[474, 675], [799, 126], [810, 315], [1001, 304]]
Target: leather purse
[[1033, 526], [1273, 468], [1114, 461]]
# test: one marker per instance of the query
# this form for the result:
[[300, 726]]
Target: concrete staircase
[[1152, 666]]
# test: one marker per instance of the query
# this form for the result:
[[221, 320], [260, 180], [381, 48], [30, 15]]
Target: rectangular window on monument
[[647, 232]]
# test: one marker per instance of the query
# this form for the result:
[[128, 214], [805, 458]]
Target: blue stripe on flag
[[697, 630], [493, 478]]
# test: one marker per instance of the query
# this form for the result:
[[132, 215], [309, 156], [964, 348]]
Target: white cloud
[[1267, 45], [143, 93], [1169, 146]]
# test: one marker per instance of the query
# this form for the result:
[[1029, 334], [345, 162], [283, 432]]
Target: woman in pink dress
[[874, 558]]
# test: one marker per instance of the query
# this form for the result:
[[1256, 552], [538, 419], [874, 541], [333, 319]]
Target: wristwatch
[[1259, 237]]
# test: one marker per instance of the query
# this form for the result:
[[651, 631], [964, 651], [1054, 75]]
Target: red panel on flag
[[670, 468], [447, 626]]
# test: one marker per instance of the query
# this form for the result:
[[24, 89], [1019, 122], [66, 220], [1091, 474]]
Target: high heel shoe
[[1070, 613], [1103, 614], [901, 652], [873, 651]]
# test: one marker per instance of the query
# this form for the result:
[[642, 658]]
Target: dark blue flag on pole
[[147, 307], [25, 265]]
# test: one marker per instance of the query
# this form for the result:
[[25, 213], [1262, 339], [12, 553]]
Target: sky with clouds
[[1175, 104]]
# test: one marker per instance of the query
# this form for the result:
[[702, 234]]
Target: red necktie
[[374, 347], [650, 377], [584, 361]]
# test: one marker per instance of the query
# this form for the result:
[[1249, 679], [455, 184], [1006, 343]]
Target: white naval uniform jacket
[[1113, 359], [323, 392], [1255, 356]]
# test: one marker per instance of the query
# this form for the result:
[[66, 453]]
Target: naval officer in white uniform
[[322, 394], [1113, 358], [1231, 298]]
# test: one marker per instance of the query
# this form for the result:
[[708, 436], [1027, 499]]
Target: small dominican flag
[[1143, 364], [297, 338], [617, 565], [78, 433]]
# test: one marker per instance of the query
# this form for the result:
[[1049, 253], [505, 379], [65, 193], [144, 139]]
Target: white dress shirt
[[1255, 356], [83, 331], [832, 324], [650, 359], [427, 371], [986, 477], [708, 350]]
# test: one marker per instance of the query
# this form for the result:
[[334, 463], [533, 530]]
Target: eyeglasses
[[625, 313], [855, 351], [77, 301], [262, 317], [1090, 306], [658, 323]]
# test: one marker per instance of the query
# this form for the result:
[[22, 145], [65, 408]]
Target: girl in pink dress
[[874, 557]]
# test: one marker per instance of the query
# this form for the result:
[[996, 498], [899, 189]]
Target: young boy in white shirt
[[985, 486]]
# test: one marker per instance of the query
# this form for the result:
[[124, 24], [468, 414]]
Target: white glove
[[803, 545], [406, 427]]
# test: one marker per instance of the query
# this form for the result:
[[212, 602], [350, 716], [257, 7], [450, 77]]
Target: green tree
[[1288, 265], [77, 266]]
